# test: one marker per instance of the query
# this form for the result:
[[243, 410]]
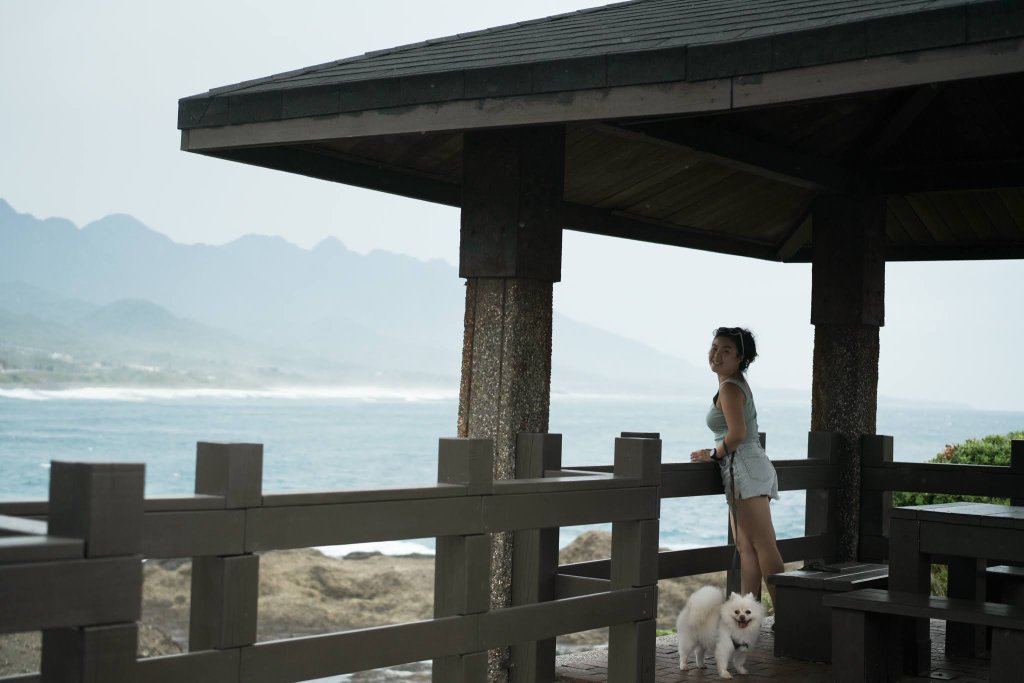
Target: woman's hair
[[745, 344]]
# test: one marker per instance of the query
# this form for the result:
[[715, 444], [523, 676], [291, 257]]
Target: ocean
[[362, 438]]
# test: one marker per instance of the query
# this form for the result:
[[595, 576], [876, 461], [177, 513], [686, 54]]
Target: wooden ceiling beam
[[743, 151], [317, 162], [582, 218], [897, 123], [967, 175]]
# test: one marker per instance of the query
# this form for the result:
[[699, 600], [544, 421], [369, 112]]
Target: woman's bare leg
[[750, 569], [754, 523]]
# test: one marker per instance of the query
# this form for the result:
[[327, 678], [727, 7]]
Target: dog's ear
[[734, 596]]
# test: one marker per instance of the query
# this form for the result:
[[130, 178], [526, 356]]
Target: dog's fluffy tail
[[704, 602]]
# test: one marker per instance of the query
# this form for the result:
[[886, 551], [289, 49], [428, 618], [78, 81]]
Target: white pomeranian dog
[[729, 628]]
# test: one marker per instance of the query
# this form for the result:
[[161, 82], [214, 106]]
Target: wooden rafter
[[582, 218], [744, 151], [965, 175]]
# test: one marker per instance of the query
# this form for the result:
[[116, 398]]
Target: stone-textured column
[[847, 310], [510, 255]]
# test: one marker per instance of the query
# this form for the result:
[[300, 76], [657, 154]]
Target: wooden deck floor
[[591, 666]]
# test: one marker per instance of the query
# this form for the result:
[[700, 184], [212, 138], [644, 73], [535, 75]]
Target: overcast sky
[[87, 128]]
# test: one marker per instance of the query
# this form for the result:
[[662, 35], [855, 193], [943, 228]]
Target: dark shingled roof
[[709, 124], [637, 42]]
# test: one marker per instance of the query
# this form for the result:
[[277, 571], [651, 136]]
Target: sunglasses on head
[[731, 332]]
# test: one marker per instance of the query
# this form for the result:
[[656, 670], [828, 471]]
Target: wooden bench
[[1005, 583], [869, 628], [803, 627]]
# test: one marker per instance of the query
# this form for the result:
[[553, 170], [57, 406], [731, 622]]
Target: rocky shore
[[304, 592]]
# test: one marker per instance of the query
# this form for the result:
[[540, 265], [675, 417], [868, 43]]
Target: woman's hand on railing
[[703, 455]]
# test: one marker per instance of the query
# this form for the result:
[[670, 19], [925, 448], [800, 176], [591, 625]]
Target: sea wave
[[363, 393], [383, 547]]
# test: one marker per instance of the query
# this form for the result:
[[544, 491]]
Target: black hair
[[747, 346]]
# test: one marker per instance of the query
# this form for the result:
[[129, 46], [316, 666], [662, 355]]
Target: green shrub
[[990, 450]]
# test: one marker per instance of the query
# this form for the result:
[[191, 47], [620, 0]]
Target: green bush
[[990, 450]]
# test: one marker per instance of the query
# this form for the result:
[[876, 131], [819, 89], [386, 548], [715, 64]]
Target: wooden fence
[[79, 579]]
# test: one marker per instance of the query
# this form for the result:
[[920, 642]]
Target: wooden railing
[[80, 581], [816, 474], [880, 476]]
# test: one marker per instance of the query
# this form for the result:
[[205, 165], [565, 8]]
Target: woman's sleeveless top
[[716, 418]]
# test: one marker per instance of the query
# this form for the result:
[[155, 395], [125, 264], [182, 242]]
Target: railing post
[[462, 565], [821, 515], [225, 589], [1017, 467], [535, 560], [875, 451], [631, 647], [101, 504]]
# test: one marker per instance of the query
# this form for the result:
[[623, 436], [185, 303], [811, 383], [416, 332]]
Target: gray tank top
[[716, 418]]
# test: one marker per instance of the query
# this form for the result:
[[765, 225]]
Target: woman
[[747, 473]]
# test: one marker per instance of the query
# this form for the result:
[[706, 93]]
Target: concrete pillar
[[510, 255], [847, 310]]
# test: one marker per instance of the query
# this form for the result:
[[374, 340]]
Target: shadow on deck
[[590, 666]]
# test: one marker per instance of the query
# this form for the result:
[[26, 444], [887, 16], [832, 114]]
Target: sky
[[88, 106]]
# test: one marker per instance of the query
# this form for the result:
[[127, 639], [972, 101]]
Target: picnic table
[[967, 536]]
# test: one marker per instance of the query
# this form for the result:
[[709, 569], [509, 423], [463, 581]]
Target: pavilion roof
[[705, 123]]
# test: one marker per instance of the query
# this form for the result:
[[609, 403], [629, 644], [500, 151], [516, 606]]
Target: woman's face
[[724, 357]]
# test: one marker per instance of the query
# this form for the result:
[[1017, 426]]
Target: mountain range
[[115, 302]]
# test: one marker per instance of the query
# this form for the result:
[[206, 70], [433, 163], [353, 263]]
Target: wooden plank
[[616, 224], [967, 480], [301, 659], [634, 554], [363, 495], [99, 503], [585, 105], [703, 479], [923, 606], [210, 666], [466, 462], [880, 73], [462, 575], [198, 501], [231, 470], [41, 595], [534, 560], [638, 458], [996, 544], [225, 591], [19, 526], [28, 507], [569, 586], [631, 650], [189, 534], [92, 654], [17, 549], [538, 510], [747, 152], [503, 627], [308, 526]]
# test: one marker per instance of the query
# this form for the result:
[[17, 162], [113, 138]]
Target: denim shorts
[[753, 472]]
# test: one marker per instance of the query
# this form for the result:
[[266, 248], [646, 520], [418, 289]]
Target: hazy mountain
[[117, 287]]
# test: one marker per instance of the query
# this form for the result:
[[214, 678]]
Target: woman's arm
[[730, 400]]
